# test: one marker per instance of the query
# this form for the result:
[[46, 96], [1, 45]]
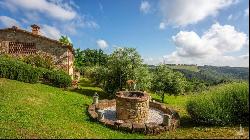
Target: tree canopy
[[65, 40], [165, 80]]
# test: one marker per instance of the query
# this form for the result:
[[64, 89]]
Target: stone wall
[[62, 53], [132, 109]]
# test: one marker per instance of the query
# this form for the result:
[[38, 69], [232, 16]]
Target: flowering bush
[[40, 59]]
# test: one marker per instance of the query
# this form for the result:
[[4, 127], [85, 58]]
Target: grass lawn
[[42, 111]]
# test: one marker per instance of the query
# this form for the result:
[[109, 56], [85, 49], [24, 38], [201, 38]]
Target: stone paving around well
[[155, 115], [160, 118]]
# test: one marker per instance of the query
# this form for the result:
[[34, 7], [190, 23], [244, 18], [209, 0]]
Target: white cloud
[[102, 43], [246, 12], [50, 32], [145, 7], [210, 48], [80, 22], [182, 13], [246, 56], [152, 61], [57, 10], [8, 22], [162, 26], [61, 13]]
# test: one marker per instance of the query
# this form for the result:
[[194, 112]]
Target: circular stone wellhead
[[132, 106]]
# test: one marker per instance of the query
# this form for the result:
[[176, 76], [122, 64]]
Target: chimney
[[35, 29]]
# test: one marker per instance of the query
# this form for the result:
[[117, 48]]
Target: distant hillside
[[211, 75], [174, 66], [186, 67], [214, 74]]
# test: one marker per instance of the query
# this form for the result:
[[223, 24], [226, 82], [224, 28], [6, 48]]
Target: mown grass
[[42, 111]]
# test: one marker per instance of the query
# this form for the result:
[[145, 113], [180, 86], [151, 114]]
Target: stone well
[[132, 106]]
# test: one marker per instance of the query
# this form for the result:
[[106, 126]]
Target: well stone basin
[[132, 106]]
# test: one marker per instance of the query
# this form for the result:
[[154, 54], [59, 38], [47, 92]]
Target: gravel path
[[155, 115]]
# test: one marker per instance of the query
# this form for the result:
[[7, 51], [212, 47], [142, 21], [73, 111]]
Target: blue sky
[[213, 32]]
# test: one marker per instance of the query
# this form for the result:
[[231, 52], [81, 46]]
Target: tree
[[143, 78], [65, 40], [94, 57], [89, 58], [78, 55], [121, 65], [165, 80]]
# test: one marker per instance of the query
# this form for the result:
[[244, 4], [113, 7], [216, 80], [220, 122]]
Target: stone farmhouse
[[17, 42]]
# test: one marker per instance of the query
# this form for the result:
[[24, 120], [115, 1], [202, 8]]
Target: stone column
[[95, 98], [150, 98], [167, 120]]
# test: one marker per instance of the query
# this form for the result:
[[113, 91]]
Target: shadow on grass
[[186, 122], [88, 88], [86, 83], [91, 92], [85, 112]]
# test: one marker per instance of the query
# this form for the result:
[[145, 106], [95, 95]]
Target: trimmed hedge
[[57, 78], [17, 70], [228, 104]]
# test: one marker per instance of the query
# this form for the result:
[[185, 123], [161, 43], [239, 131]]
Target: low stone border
[[145, 128]]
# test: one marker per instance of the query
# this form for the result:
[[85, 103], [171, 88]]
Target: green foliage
[[65, 40], [194, 85], [96, 73], [17, 70], [165, 80], [57, 78], [186, 67], [40, 59], [121, 66], [212, 75], [227, 104], [91, 57], [13, 69], [78, 55], [143, 78]]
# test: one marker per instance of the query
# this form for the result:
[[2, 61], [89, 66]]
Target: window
[[22, 48]]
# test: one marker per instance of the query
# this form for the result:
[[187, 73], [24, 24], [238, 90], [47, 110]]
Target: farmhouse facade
[[15, 41]]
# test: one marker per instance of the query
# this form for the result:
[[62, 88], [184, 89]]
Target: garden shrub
[[40, 59], [223, 105], [57, 78], [17, 70], [13, 69]]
